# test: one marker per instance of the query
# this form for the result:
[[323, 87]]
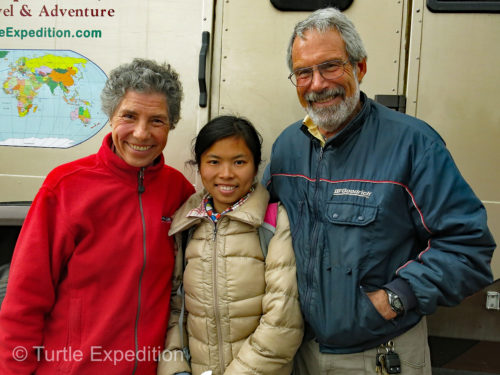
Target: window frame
[[310, 5], [447, 6]]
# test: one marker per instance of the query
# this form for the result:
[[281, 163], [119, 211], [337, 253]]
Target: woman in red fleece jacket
[[90, 278]]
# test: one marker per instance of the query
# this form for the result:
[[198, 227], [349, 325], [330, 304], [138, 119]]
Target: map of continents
[[49, 98]]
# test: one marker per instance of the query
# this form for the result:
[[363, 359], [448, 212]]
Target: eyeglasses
[[329, 70]]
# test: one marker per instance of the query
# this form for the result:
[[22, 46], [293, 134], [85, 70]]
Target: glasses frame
[[340, 63]]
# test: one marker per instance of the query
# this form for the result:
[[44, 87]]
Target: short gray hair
[[145, 76], [327, 19]]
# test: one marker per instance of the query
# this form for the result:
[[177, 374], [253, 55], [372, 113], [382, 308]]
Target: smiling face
[[227, 171], [330, 103], [140, 127]]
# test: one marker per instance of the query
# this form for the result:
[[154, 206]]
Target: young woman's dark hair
[[227, 126]]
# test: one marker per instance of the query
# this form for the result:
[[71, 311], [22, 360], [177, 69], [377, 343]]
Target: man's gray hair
[[327, 19], [144, 76]]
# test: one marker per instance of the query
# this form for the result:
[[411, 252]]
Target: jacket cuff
[[404, 292], [173, 362]]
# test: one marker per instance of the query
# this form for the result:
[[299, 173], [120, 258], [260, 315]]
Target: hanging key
[[378, 363], [382, 362]]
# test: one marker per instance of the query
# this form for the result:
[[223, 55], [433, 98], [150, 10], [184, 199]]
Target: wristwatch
[[395, 302]]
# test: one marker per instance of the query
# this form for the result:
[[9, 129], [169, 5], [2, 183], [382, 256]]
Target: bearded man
[[384, 226]]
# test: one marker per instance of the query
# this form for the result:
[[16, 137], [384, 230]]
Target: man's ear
[[361, 69]]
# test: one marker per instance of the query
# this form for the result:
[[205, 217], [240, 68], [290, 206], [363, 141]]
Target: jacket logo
[[357, 193], [166, 219]]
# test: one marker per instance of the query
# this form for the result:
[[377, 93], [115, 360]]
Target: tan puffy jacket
[[243, 310]]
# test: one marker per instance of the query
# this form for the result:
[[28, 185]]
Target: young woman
[[243, 314]]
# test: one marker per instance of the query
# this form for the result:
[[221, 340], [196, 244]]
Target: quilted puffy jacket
[[243, 310]]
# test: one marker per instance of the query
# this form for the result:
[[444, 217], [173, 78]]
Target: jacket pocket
[[298, 227], [348, 233], [73, 333], [345, 213]]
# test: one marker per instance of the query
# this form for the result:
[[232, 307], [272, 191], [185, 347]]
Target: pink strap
[[271, 214]]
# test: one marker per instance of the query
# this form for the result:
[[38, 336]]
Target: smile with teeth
[[139, 147], [227, 188], [324, 100], [324, 97]]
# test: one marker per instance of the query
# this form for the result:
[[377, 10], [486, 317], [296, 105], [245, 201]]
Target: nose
[[318, 83], [141, 129], [226, 170]]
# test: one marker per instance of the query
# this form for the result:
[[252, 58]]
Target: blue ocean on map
[[49, 98]]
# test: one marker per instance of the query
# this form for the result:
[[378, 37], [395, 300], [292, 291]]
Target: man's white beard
[[335, 116]]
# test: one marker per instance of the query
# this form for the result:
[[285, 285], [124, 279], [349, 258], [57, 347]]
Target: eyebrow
[[133, 112], [324, 62], [234, 157], [122, 110]]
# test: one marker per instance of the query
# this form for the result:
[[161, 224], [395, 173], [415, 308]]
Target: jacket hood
[[192, 211]]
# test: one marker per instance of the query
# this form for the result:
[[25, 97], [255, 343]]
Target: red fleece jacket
[[90, 279]]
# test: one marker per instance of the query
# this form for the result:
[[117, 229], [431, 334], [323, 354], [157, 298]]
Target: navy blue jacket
[[381, 205]]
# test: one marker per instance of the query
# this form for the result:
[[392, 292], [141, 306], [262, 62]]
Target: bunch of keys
[[387, 360]]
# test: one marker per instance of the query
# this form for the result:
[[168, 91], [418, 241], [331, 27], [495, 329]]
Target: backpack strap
[[268, 227], [271, 216]]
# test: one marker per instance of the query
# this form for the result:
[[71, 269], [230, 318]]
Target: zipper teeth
[[216, 297], [310, 265], [136, 328]]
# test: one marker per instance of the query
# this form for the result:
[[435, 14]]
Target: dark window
[[310, 5], [464, 6]]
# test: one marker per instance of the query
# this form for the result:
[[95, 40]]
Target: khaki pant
[[411, 346]]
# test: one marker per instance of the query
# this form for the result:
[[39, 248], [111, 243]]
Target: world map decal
[[49, 98]]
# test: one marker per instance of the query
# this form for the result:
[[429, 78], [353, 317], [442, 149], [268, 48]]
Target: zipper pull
[[141, 188]]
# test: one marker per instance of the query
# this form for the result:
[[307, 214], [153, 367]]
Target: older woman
[[90, 278]]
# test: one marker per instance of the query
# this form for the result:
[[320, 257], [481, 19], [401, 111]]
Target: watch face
[[395, 302]]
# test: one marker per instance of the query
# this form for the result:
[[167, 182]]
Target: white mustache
[[325, 94]]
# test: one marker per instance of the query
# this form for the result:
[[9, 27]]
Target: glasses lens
[[301, 77], [331, 69]]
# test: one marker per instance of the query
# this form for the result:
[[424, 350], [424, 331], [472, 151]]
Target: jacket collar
[[121, 169], [251, 212], [349, 129]]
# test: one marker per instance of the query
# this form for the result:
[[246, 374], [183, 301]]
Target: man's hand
[[381, 302]]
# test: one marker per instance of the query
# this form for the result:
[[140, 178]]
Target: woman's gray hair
[[326, 19], [145, 76]]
